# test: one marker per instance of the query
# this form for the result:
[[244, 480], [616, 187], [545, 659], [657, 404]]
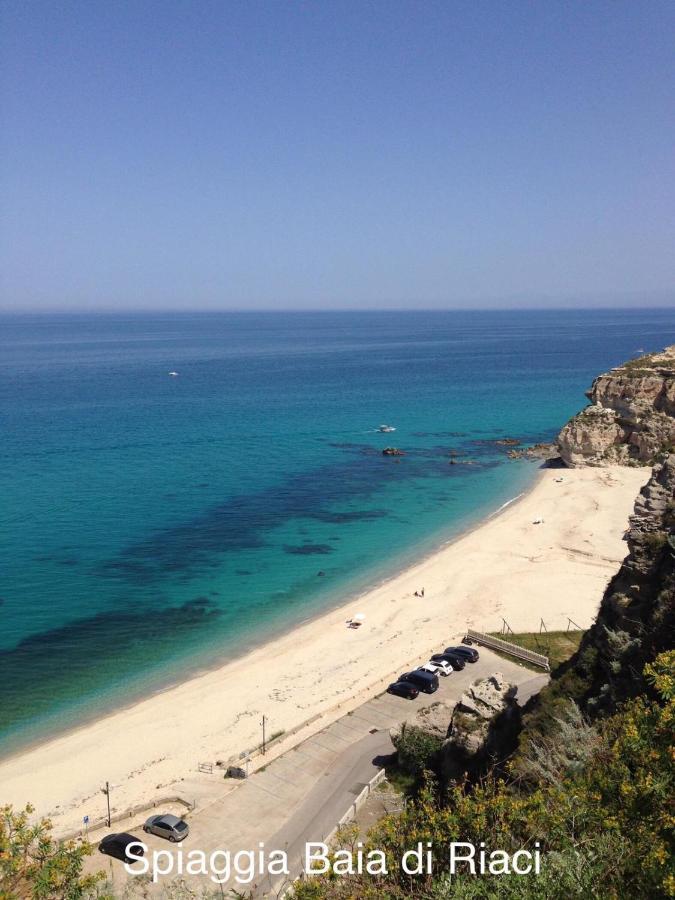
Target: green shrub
[[417, 750]]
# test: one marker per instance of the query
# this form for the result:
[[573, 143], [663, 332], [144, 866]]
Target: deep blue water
[[152, 524]]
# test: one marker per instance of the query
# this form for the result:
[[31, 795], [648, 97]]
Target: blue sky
[[336, 154]]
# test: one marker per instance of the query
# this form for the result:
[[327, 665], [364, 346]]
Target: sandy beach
[[508, 567]]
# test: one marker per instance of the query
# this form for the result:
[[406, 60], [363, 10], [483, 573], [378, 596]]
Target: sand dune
[[506, 568]]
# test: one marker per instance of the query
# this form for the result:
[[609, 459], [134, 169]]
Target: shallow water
[[153, 524]]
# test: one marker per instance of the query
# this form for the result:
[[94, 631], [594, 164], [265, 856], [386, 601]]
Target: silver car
[[170, 827]]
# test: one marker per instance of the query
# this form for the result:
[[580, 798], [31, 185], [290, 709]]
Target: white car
[[440, 667]]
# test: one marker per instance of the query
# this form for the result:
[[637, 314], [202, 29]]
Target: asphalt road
[[300, 796]]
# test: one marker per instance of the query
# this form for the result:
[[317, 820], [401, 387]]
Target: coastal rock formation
[[434, 720], [485, 720], [461, 739], [631, 419], [536, 451], [392, 451], [636, 620]]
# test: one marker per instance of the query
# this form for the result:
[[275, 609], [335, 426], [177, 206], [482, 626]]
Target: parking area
[[301, 795]]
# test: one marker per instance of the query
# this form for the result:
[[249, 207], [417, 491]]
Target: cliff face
[[636, 620], [631, 419]]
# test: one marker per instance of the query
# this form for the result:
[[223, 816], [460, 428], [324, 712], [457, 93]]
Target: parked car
[[470, 652], [117, 844], [438, 667], [167, 826], [425, 681], [403, 689], [457, 662]]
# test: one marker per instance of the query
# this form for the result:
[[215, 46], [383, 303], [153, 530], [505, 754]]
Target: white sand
[[508, 567]]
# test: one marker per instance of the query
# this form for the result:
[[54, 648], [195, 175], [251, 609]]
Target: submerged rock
[[536, 451], [392, 451]]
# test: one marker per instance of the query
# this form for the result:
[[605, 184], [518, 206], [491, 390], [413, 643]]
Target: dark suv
[[469, 652], [425, 681], [403, 689]]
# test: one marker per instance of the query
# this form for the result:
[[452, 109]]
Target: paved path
[[301, 795]]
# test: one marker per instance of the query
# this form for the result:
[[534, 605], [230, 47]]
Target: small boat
[[173, 374], [386, 428]]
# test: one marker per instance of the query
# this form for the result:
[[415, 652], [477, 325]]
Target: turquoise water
[[151, 524]]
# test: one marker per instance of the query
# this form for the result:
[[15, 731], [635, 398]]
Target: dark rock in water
[[536, 451], [392, 451], [508, 442], [344, 518], [308, 549]]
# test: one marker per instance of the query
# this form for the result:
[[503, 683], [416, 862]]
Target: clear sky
[[198, 154]]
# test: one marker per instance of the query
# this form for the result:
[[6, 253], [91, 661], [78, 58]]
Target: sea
[[178, 488]]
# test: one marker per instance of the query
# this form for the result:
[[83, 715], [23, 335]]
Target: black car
[[471, 654], [425, 681], [456, 661], [117, 845], [403, 689]]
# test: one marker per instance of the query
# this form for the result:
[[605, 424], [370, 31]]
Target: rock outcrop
[[484, 722], [434, 720], [546, 452], [631, 419], [463, 739], [636, 619]]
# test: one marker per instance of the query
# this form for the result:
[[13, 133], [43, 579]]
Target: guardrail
[[283, 887], [125, 814], [495, 643]]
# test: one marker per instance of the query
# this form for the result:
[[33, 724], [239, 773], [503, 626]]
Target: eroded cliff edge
[[635, 622], [631, 417]]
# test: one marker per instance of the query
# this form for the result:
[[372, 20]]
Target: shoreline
[[341, 597], [501, 567]]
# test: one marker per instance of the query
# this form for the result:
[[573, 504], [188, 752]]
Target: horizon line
[[337, 309]]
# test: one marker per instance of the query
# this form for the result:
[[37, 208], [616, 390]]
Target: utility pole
[[263, 731], [106, 791]]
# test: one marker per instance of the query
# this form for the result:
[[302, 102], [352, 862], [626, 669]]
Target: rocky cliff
[[465, 739], [636, 619], [631, 418], [483, 728]]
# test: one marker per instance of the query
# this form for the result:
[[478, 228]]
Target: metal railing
[[495, 643]]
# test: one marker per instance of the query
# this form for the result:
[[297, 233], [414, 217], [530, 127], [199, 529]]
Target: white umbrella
[[360, 616]]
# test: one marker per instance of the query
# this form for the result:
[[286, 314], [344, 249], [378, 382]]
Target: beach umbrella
[[359, 617]]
